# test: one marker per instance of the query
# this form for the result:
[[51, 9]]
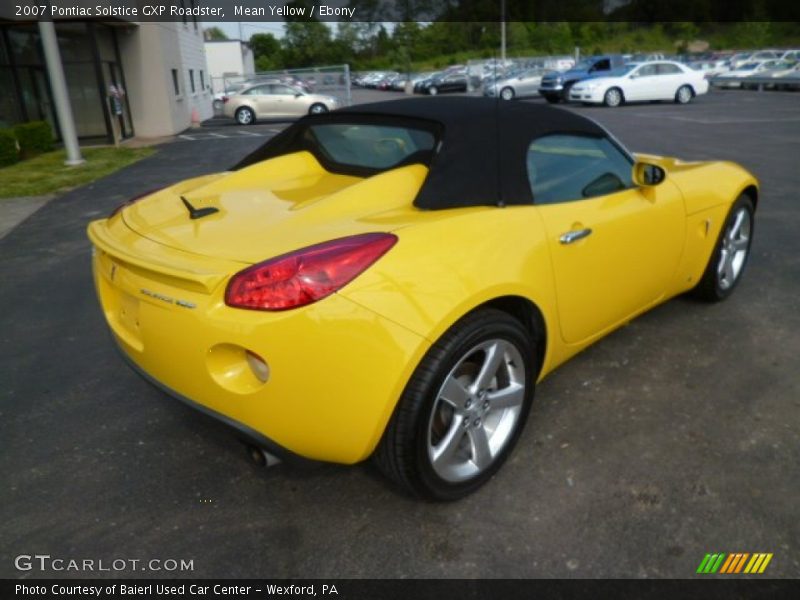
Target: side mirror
[[648, 175]]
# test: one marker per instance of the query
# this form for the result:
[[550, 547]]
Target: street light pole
[[58, 84], [503, 32]]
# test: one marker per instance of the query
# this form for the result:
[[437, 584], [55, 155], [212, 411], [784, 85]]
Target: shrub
[[34, 138], [8, 148]]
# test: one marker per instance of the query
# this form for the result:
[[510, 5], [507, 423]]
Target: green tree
[[214, 34], [306, 44]]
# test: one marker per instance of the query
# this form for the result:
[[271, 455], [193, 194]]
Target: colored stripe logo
[[737, 562]]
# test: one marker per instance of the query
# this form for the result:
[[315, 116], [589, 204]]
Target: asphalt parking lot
[[675, 436]]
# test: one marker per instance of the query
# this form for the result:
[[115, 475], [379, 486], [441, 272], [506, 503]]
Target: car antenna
[[198, 213]]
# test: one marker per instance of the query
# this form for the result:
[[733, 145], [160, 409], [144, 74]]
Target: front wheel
[[552, 99], [245, 116], [613, 97], [729, 258], [462, 410], [507, 93], [684, 95], [433, 90], [317, 109]]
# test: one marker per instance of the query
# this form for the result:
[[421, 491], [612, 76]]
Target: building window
[[202, 81], [175, 83], [191, 79]]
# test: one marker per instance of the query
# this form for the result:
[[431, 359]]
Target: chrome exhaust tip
[[261, 457]]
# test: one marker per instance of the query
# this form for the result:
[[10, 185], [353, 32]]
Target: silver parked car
[[274, 100], [522, 84]]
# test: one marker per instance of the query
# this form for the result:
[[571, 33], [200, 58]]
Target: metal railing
[[757, 83]]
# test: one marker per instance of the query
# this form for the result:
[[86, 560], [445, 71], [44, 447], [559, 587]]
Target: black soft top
[[481, 157]]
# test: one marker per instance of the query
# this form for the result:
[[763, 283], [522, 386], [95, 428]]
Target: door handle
[[574, 236]]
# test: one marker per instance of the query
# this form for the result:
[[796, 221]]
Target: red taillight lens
[[130, 201], [306, 275], [225, 99]]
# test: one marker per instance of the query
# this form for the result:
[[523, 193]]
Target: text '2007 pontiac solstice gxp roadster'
[[391, 280]]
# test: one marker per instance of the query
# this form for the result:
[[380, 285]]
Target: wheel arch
[[618, 88], [751, 191], [529, 314]]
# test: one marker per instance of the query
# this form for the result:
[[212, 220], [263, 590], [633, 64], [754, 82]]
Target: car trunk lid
[[274, 207]]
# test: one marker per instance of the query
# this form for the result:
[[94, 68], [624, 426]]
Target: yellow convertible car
[[390, 280]]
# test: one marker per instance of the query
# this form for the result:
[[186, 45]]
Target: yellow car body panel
[[338, 367]]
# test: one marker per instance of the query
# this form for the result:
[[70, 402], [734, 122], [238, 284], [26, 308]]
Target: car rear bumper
[[336, 369]]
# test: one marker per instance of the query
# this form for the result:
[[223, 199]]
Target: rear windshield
[[371, 146]]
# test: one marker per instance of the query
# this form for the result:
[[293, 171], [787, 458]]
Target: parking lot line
[[250, 133]]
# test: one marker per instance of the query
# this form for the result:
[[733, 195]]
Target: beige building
[[143, 79]]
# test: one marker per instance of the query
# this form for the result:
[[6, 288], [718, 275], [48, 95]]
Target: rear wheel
[[613, 97], [729, 258], [684, 95], [245, 116], [317, 109], [463, 409], [507, 93]]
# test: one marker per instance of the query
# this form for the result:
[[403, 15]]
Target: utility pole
[[503, 32]]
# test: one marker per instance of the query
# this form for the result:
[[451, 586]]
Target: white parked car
[[642, 82], [710, 68], [793, 55]]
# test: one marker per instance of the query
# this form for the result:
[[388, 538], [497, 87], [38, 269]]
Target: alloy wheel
[[476, 410], [735, 246], [684, 95], [613, 97]]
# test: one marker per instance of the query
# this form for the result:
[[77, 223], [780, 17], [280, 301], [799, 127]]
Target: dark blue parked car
[[555, 86]]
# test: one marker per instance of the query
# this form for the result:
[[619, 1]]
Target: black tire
[[317, 108], [404, 453], [713, 285], [552, 99], [613, 97], [684, 94], [245, 116], [565, 92], [507, 93]]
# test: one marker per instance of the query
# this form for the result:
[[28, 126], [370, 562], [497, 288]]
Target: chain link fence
[[333, 80]]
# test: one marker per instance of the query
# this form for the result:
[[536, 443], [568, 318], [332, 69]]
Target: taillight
[[133, 200], [225, 99], [306, 275]]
